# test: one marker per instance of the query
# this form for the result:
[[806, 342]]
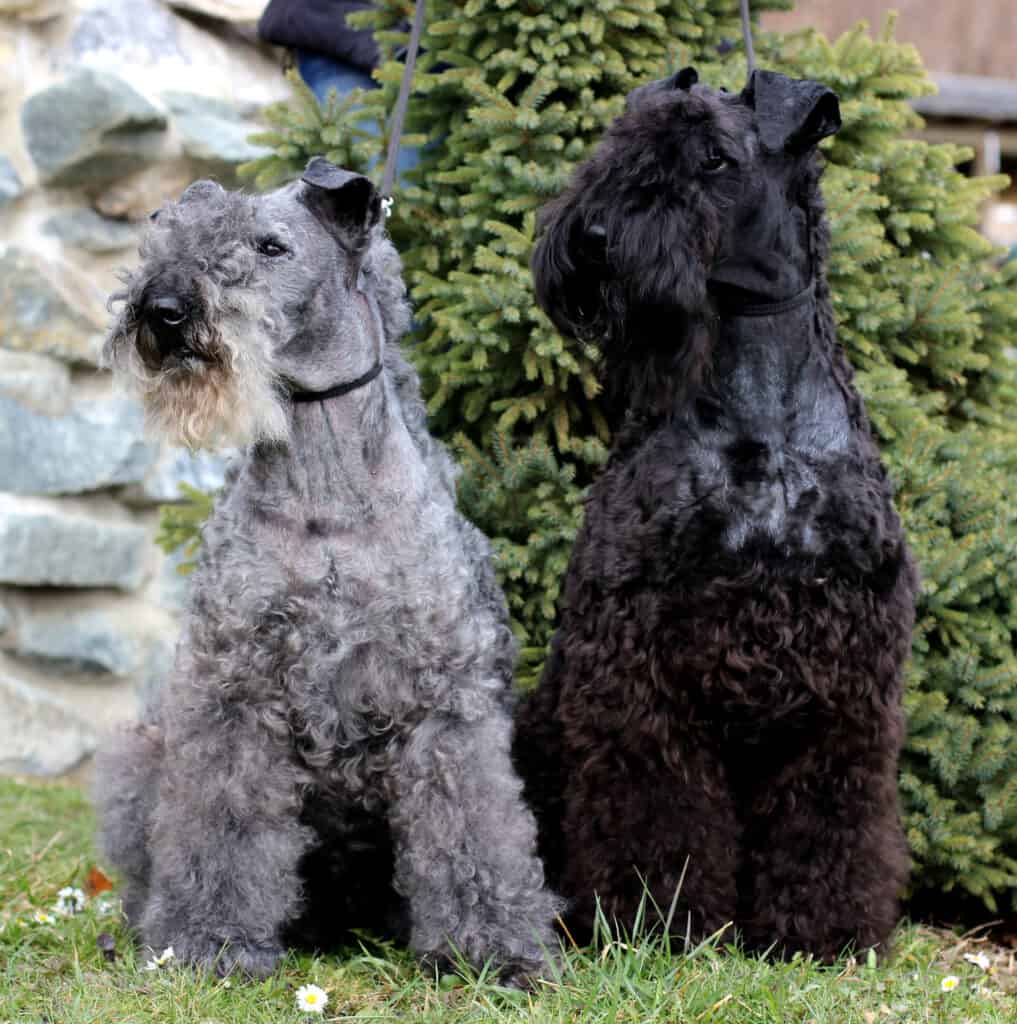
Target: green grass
[[57, 973]]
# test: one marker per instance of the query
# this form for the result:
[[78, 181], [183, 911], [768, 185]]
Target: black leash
[[387, 182], [399, 114], [750, 53]]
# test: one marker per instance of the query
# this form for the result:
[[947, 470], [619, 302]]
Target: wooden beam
[[972, 135], [971, 97]]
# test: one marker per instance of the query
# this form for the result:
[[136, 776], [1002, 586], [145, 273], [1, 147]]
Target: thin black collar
[[732, 311], [338, 389]]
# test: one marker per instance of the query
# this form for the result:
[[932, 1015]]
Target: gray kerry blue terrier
[[332, 748]]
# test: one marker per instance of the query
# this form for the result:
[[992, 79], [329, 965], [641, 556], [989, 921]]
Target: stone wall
[[106, 110]]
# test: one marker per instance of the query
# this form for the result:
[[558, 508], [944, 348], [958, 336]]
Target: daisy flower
[[979, 960], [161, 960], [312, 999], [41, 917], [69, 901], [949, 983]]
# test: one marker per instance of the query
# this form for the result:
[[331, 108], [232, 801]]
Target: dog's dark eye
[[271, 247], [714, 162]]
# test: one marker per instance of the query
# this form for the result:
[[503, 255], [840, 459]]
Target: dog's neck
[[679, 356], [349, 460], [762, 343], [731, 305]]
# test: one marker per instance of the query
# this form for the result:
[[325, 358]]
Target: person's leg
[[322, 73]]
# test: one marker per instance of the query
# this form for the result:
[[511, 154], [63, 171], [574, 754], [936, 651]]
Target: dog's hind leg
[[536, 752], [466, 850], [226, 842], [126, 781]]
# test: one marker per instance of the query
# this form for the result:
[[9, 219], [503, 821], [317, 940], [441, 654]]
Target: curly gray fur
[[332, 748]]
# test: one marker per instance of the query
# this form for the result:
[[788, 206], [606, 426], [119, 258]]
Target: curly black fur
[[723, 696]]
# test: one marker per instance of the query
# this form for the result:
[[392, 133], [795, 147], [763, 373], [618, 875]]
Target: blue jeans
[[322, 73]]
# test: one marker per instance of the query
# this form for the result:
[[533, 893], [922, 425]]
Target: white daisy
[[161, 960], [979, 960], [312, 999], [69, 901], [105, 907], [949, 983], [41, 917]]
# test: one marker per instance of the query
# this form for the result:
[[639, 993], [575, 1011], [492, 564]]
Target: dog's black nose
[[168, 310], [167, 317]]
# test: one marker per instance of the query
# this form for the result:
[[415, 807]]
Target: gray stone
[[48, 308], [37, 382], [11, 73], [91, 231], [32, 10], [90, 128], [99, 443], [157, 667], [174, 587], [10, 183], [46, 543], [212, 130], [135, 198], [135, 30], [203, 470], [39, 734], [88, 638]]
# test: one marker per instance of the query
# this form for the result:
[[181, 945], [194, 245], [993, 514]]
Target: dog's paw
[[437, 964], [220, 957], [254, 961], [523, 973]]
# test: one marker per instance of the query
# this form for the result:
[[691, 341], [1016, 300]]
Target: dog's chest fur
[[360, 618], [756, 457], [768, 437]]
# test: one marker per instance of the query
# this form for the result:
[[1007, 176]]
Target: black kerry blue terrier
[[723, 696]]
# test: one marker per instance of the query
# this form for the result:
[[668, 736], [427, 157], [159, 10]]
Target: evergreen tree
[[509, 95]]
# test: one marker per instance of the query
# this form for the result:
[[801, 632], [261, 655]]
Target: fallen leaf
[[96, 882]]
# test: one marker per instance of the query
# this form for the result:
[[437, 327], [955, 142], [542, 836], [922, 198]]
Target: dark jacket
[[320, 25]]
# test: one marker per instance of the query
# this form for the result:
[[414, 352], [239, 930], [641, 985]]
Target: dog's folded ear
[[569, 268], [792, 114], [347, 202], [684, 79]]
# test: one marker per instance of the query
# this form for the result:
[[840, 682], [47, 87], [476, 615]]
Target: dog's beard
[[224, 394]]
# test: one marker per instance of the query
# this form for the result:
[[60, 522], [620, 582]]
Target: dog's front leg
[[225, 842], [647, 837], [466, 850], [826, 857]]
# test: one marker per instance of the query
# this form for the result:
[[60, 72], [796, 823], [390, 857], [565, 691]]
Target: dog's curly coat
[[332, 747], [723, 696]]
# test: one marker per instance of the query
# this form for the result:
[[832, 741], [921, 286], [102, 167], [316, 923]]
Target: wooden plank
[[971, 97]]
